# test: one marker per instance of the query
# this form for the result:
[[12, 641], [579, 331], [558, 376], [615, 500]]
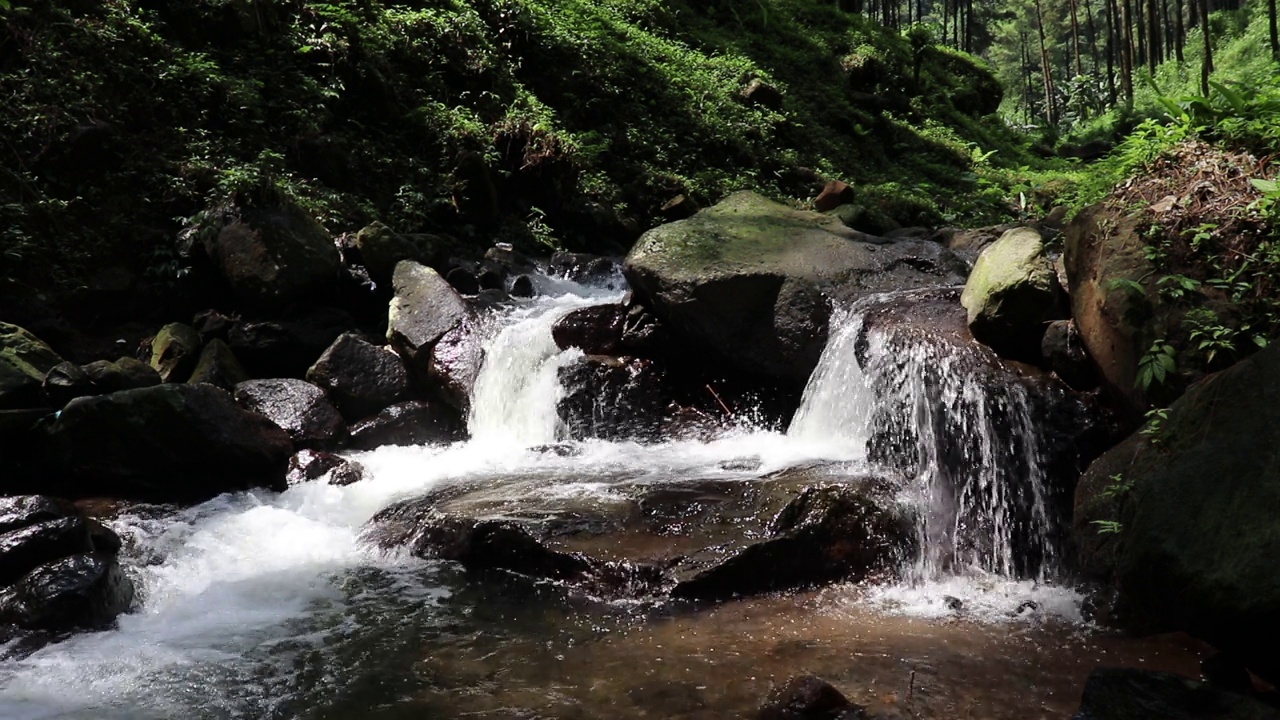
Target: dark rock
[[174, 352], [969, 243], [463, 280], [164, 443], [953, 603], [758, 92], [489, 545], [679, 208], [417, 422], [834, 194], [644, 335], [1012, 294], [612, 398], [749, 279], [313, 465], [381, 249], [218, 365], [522, 287], [124, 374], [19, 511], [24, 362], [595, 330], [455, 361], [492, 277], [870, 220], [1064, 353], [1196, 500], [1132, 694], [78, 592], [828, 533], [21, 551], [1227, 672], [584, 268], [213, 325], [512, 261], [272, 255], [362, 378], [424, 308], [298, 407], [806, 697], [286, 348], [65, 382]]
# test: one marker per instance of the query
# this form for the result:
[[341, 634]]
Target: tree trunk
[[1275, 37], [1046, 70], [1112, 34], [1206, 67], [1075, 36], [1093, 34], [1153, 34], [1179, 32], [1126, 49]]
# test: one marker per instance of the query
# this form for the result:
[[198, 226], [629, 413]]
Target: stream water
[[269, 605]]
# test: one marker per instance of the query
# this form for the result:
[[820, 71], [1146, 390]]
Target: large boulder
[[84, 591], [175, 351], [272, 255], [1012, 294], [298, 407], [1183, 516], [416, 422], [1133, 694], [24, 362], [219, 366], [424, 308], [288, 347], [361, 377], [612, 398], [23, 550], [125, 373], [382, 248], [164, 443], [750, 279]]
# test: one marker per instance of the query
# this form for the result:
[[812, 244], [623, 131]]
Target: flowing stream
[[269, 605]]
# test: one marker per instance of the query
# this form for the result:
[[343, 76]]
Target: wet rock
[[78, 592], [644, 335], [511, 260], [834, 194], [584, 268], [595, 330], [416, 422], [165, 443], [612, 398], [492, 277], [1126, 694], [1064, 353], [463, 280], [272, 254], [362, 378], [175, 351], [828, 533], [21, 551], [953, 603], [424, 308], [455, 361], [1196, 502], [24, 362], [298, 407], [1012, 293], [487, 545], [381, 249], [317, 465], [748, 279], [19, 511], [522, 287], [124, 374], [286, 348], [218, 365], [807, 697], [867, 220], [65, 382], [213, 325], [970, 242]]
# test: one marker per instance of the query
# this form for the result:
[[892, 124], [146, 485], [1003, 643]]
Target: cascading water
[[966, 447]]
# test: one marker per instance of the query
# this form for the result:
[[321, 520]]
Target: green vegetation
[[551, 123]]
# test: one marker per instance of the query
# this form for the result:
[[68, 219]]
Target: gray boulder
[[24, 362], [750, 279], [362, 378], [298, 407], [424, 308], [1012, 294]]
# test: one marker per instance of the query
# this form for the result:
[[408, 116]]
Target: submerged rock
[[612, 398], [317, 465], [749, 279], [807, 697], [1132, 694], [164, 443], [595, 330]]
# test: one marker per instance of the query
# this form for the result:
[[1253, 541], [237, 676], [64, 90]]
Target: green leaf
[[1265, 186]]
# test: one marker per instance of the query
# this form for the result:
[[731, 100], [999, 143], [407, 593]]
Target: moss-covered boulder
[[218, 365], [175, 352], [1012, 294], [751, 279], [171, 442], [24, 362], [1195, 503], [381, 248]]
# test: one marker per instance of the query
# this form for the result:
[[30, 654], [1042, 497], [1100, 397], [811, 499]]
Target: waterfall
[[959, 434]]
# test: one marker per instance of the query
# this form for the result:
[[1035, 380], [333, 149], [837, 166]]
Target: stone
[[381, 249], [125, 373], [286, 348], [19, 511], [678, 208], [65, 382], [595, 330], [463, 280], [522, 287], [213, 325], [758, 92], [360, 377], [1063, 352], [416, 422], [750, 280], [612, 399], [272, 254], [834, 194], [455, 361], [80, 592], [1195, 502], [584, 268], [218, 365], [168, 443], [321, 466], [424, 308], [298, 407], [807, 697], [23, 550], [25, 360], [1012, 294], [1133, 694], [175, 351]]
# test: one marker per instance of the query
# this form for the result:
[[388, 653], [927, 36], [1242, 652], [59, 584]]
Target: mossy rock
[[1012, 294], [24, 361]]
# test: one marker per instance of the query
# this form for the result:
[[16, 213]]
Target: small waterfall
[[515, 394], [960, 433]]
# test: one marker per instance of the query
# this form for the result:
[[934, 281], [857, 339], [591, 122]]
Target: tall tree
[[1153, 35], [1046, 70], [1126, 49], [1206, 67], [1180, 31], [1275, 36], [1075, 36]]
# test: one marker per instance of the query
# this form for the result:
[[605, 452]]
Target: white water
[[246, 599]]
